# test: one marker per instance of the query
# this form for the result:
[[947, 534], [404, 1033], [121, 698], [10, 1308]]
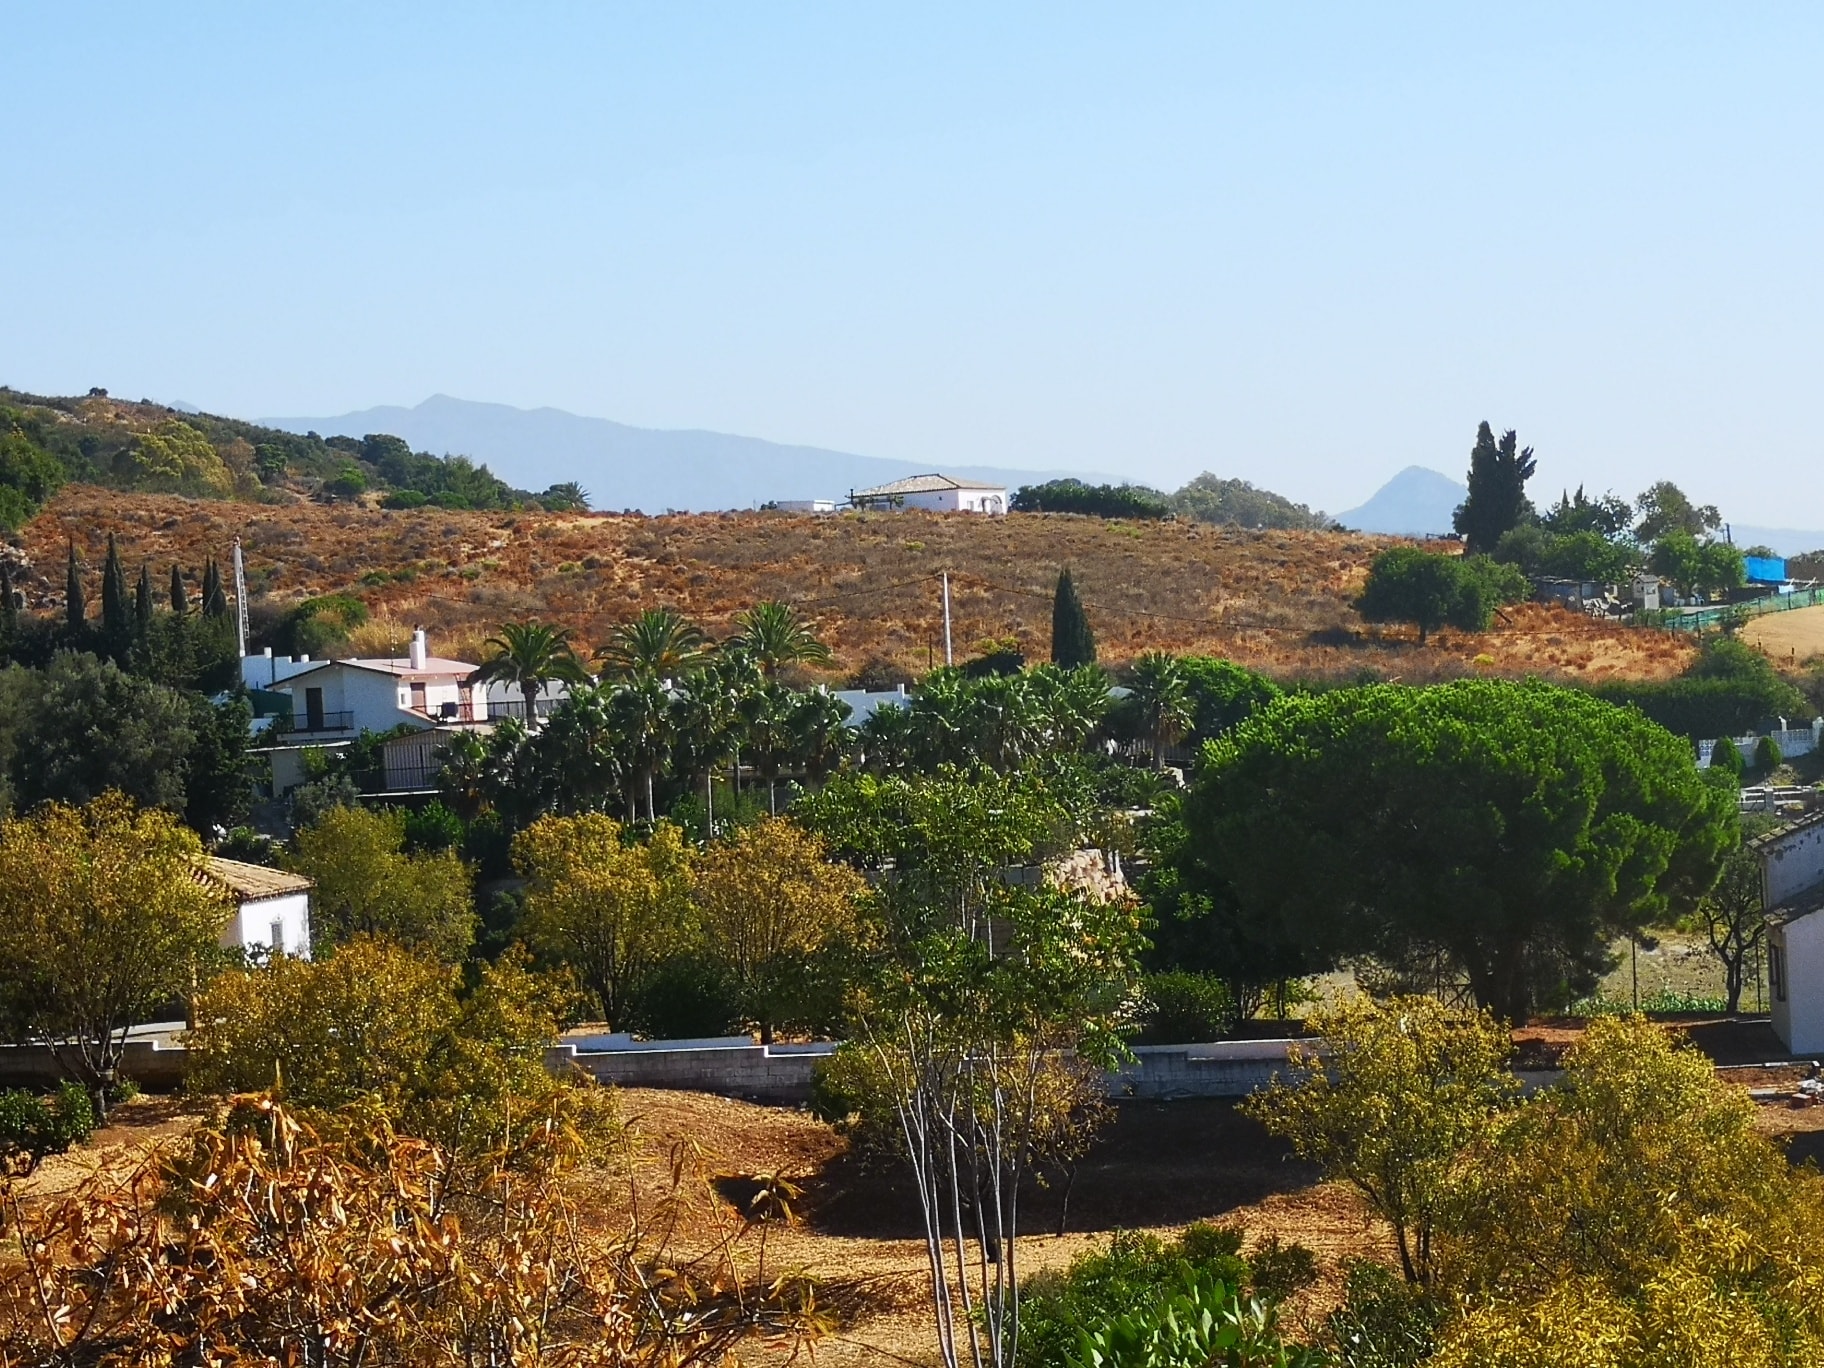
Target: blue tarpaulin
[[1765, 569]]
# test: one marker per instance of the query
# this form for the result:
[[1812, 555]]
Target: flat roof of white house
[[924, 484]]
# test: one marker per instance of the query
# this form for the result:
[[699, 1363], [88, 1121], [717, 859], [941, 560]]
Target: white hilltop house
[[332, 702], [935, 494]]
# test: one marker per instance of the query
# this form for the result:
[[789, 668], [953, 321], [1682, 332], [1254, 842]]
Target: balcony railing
[[499, 708], [343, 720]]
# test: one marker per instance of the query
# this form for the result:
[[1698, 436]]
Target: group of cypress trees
[[182, 646]]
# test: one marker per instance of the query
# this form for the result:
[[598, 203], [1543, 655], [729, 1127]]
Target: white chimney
[[421, 650]]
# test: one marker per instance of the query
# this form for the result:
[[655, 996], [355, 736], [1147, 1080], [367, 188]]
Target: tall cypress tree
[[215, 601], [180, 601], [142, 604], [1497, 502], [115, 622], [75, 610], [9, 611], [1072, 641]]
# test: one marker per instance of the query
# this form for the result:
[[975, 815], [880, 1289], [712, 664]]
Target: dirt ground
[[1157, 1167], [1788, 638]]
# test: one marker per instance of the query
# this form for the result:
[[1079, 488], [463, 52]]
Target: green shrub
[[1183, 1008], [1726, 692], [1200, 1323], [32, 1126], [1726, 756], [1384, 1321], [1768, 756], [1139, 1270], [685, 997], [405, 498]]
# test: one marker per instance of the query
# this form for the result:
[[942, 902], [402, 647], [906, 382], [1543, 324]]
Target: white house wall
[[1792, 863], [251, 925]]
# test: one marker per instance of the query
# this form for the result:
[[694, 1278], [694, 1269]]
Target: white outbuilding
[[271, 907]]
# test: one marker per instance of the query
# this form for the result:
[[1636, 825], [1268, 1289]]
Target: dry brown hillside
[[1274, 600]]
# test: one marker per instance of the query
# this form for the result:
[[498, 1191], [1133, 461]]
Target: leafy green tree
[[378, 1024], [1734, 920], [608, 910], [1237, 503], [1518, 828], [1072, 641], [1697, 567], [1497, 502], [367, 884], [175, 458], [530, 655], [1100, 501], [978, 999], [658, 644], [1664, 508], [769, 900], [1431, 590], [1633, 1216], [1389, 1106], [772, 635], [85, 726], [180, 600], [102, 922], [1223, 694], [28, 476], [1609, 517]]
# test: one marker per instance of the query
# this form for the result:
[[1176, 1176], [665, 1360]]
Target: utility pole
[[240, 599], [948, 658]]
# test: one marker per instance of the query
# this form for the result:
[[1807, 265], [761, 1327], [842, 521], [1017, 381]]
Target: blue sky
[[1304, 245]]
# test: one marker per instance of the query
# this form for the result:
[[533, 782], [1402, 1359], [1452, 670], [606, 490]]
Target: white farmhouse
[[333, 701], [936, 494], [271, 907], [1792, 891]]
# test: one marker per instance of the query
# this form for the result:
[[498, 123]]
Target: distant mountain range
[[1413, 503], [624, 467]]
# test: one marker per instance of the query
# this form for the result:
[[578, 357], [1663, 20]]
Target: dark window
[[1776, 971]]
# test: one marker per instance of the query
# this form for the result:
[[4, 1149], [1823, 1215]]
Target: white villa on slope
[[934, 493]]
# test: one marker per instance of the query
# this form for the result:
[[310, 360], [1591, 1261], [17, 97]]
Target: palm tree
[[1072, 703], [531, 655], [940, 718], [819, 726], [771, 634], [888, 738], [707, 721], [1006, 724], [642, 717], [1161, 699], [658, 644], [568, 497]]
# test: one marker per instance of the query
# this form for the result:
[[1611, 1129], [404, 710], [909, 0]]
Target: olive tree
[[102, 922]]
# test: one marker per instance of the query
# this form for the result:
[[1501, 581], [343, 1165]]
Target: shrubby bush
[[1184, 1008], [1729, 689], [1117, 1297], [32, 1127]]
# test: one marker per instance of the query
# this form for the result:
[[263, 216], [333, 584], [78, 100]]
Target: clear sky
[[1302, 244]]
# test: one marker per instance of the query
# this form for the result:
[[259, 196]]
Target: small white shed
[[271, 906]]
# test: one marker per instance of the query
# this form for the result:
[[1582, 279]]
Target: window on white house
[[1776, 972], [278, 937]]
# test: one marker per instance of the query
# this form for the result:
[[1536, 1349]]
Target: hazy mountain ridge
[[650, 469]]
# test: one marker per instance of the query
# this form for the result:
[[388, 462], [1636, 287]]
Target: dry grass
[[1278, 601]]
